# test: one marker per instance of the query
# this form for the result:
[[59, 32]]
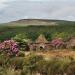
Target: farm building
[[40, 44]]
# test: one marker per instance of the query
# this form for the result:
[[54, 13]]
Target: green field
[[32, 32], [33, 28]]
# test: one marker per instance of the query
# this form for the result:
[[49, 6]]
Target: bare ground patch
[[57, 53]]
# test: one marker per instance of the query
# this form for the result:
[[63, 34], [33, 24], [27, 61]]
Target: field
[[32, 32], [63, 29], [17, 59]]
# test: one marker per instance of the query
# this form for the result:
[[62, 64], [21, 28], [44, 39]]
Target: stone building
[[40, 44]]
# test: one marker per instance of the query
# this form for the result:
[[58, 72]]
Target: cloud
[[45, 9], [4, 3]]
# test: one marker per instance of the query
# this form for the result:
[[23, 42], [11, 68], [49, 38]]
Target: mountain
[[27, 22]]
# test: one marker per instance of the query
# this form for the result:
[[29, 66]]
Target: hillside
[[35, 22], [32, 28], [27, 22]]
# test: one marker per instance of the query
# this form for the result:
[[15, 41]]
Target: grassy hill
[[28, 22], [34, 27]]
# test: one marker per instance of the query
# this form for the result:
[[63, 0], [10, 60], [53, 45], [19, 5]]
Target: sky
[[11, 10]]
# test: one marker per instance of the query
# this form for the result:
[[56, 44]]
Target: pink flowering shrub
[[9, 47], [57, 43]]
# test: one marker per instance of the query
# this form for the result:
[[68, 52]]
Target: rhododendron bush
[[9, 47], [57, 43]]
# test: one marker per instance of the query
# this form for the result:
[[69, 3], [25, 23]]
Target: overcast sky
[[11, 10]]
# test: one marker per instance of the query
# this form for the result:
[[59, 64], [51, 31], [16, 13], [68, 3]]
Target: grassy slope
[[28, 22], [9, 30]]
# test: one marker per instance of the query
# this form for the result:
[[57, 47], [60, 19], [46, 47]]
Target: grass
[[32, 32], [54, 62], [44, 63], [57, 53]]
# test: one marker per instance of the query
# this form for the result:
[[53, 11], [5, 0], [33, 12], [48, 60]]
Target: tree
[[62, 35], [22, 41]]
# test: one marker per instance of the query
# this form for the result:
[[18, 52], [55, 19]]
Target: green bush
[[22, 41], [63, 35]]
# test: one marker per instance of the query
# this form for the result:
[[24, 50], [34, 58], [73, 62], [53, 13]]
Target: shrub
[[57, 43], [22, 41], [9, 47], [63, 35]]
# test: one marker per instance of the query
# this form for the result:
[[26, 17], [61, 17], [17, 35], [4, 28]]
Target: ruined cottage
[[40, 44]]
